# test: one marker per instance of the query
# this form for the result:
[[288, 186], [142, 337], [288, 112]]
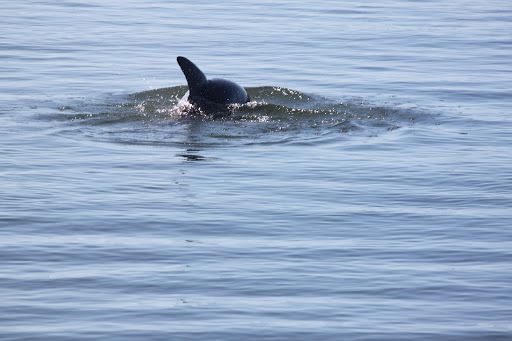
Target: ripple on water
[[275, 115]]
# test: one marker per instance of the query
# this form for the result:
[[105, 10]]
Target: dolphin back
[[195, 77], [224, 91]]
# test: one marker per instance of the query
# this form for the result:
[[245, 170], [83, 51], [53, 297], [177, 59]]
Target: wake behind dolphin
[[206, 92]]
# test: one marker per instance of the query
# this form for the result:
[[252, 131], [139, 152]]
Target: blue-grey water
[[365, 193]]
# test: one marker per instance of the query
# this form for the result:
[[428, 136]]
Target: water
[[364, 194]]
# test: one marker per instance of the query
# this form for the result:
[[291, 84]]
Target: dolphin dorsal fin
[[195, 77]]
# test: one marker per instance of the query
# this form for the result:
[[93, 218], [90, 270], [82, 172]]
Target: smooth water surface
[[365, 193]]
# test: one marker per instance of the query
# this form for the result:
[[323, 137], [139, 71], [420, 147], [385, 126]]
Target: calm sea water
[[364, 194]]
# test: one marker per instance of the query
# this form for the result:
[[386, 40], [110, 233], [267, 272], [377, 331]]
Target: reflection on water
[[191, 155]]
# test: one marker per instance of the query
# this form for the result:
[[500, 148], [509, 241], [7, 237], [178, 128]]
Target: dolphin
[[203, 91]]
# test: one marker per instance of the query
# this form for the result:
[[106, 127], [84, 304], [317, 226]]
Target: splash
[[275, 115]]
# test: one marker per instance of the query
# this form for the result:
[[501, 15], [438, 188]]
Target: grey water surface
[[365, 192]]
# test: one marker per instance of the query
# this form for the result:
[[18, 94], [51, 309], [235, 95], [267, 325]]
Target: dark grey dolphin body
[[210, 91]]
